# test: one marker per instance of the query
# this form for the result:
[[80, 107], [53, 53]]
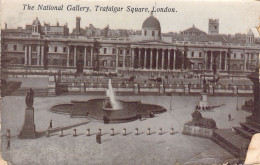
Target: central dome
[[151, 23]]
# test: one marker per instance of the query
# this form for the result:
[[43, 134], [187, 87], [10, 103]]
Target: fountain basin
[[94, 108]]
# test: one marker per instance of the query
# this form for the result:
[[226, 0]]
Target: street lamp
[[237, 100]]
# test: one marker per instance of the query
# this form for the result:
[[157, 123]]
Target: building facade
[[54, 48]]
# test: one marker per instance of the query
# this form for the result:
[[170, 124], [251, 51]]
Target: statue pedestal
[[28, 130]]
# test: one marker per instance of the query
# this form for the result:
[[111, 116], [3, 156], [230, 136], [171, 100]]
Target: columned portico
[[75, 55]]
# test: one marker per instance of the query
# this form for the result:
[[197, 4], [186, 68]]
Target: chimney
[[78, 25]]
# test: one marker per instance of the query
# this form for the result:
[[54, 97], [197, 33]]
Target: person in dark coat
[[98, 138], [8, 144], [50, 127]]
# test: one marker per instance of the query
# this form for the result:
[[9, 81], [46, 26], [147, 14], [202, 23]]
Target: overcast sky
[[235, 16]]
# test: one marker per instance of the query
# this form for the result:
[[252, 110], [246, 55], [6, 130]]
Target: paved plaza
[[118, 149]]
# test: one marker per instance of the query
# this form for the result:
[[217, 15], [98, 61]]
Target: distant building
[[213, 26], [147, 49]]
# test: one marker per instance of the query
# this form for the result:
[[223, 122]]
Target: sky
[[235, 16]]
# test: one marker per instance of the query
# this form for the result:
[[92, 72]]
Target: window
[[252, 56], [235, 67], [127, 51], [105, 63], [235, 55], [241, 67], [121, 51], [200, 54], [145, 33], [6, 47], [15, 47], [64, 49], [34, 48], [56, 62], [200, 65], [242, 56], [24, 48], [113, 51], [48, 48], [55, 49], [152, 33], [105, 50], [64, 62], [192, 54]]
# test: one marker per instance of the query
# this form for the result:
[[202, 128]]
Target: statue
[[29, 98], [198, 120], [204, 85]]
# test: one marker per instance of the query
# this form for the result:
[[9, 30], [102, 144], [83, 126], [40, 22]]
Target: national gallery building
[[50, 47]]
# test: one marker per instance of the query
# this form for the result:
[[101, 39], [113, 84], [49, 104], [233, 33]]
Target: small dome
[[151, 23], [250, 33], [36, 22]]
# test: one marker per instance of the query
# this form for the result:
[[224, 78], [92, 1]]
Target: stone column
[[162, 59], [226, 60], [182, 59], [249, 61], [30, 54], [157, 58], [220, 58], [139, 58], [75, 55], [91, 56], [38, 54], [85, 57], [169, 57], [245, 58], [145, 57], [68, 56], [25, 55], [174, 59], [42, 55], [205, 59], [124, 58], [133, 57], [117, 56], [211, 60], [151, 59]]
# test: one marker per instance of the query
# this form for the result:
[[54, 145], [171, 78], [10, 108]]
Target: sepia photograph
[[130, 82]]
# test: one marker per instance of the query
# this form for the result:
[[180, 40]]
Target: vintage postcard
[[130, 82]]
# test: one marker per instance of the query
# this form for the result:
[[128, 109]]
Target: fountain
[[111, 103], [108, 109]]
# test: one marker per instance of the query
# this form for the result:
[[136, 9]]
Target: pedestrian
[[50, 127], [229, 117], [8, 144], [140, 117], [98, 138]]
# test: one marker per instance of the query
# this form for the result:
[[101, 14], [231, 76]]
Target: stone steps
[[243, 132], [250, 128]]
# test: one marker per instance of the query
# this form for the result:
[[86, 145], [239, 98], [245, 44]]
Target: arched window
[[145, 33], [152, 33]]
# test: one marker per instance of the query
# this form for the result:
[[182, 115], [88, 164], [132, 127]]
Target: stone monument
[[203, 104], [28, 130], [254, 119], [199, 126]]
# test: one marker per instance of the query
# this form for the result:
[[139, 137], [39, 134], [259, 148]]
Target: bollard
[[88, 132], [61, 133], [8, 133], [99, 131], [112, 132], [136, 131], [47, 133], [124, 132], [172, 131], [148, 131], [160, 133], [75, 132]]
